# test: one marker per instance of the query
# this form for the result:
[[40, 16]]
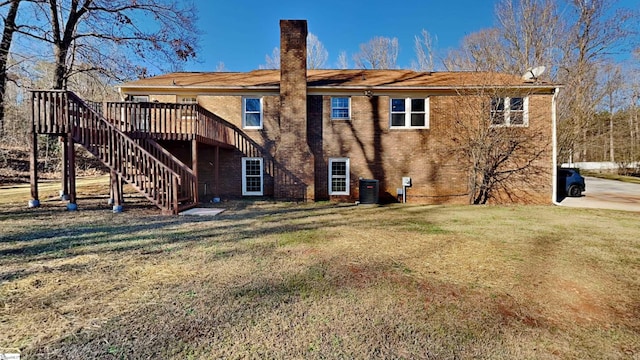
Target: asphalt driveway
[[607, 194]]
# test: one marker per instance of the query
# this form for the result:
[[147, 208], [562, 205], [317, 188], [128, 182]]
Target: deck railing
[[62, 112], [169, 121]]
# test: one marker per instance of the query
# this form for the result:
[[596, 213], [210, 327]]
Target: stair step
[[97, 135]]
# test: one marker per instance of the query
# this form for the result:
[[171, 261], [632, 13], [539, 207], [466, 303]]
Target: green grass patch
[[320, 281]]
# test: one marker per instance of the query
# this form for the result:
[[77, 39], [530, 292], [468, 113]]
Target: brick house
[[315, 134], [330, 128]]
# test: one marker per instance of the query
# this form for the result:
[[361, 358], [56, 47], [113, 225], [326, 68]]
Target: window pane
[[254, 184], [397, 119], [338, 168], [516, 118], [252, 120], [397, 105], [340, 113], [497, 118], [340, 102], [252, 167], [338, 184], [417, 105], [188, 100], [517, 104], [252, 105], [497, 104], [417, 120]]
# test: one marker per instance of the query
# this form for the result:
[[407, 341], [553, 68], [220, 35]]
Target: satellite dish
[[533, 73]]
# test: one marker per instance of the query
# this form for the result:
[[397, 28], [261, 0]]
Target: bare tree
[[343, 61], [316, 53], [220, 67], [423, 45], [273, 61], [478, 52], [597, 31], [612, 83], [503, 150], [530, 31], [572, 42], [379, 53], [9, 19], [116, 38]]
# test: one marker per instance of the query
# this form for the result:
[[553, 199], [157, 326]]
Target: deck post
[[116, 192], [194, 165], [216, 173], [72, 205], [64, 190], [121, 189], [33, 164], [111, 200]]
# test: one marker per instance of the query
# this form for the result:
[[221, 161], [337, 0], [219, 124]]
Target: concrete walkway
[[607, 194]]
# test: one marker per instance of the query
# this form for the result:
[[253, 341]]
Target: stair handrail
[[60, 119], [185, 173]]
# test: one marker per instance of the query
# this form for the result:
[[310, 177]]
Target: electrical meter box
[[406, 181]]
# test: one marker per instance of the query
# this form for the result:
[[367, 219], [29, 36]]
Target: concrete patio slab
[[202, 212]]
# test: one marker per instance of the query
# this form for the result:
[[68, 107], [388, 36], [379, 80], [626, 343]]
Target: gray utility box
[[369, 190]]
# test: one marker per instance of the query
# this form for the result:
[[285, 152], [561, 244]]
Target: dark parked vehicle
[[570, 182]]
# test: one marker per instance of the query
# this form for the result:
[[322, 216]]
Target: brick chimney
[[293, 149]]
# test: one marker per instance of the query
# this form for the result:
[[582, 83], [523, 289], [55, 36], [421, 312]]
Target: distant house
[[317, 135]]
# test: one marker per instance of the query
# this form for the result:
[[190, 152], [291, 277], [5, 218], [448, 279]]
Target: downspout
[[554, 139]]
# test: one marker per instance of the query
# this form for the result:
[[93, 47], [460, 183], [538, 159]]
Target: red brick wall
[[437, 169], [292, 150]]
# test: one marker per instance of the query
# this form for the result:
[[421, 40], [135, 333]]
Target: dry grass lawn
[[280, 280]]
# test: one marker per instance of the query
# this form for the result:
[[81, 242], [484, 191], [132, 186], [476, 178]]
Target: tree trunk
[[5, 45], [59, 76]]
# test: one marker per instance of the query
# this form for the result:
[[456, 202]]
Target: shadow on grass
[[48, 234], [328, 309]]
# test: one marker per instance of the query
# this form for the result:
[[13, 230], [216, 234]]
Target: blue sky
[[240, 33]]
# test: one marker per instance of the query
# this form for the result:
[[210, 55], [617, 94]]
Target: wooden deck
[[123, 136]]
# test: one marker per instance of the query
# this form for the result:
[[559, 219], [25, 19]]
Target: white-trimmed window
[[252, 113], [140, 98], [188, 99], [340, 108], [339, 176], [510, 111], [140, 114], [409, 113], [187, 113], [252, 180]]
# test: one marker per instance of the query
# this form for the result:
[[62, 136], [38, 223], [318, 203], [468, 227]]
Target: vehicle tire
[[574, 191]]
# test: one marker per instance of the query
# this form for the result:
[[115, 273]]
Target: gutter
[[335, 88]]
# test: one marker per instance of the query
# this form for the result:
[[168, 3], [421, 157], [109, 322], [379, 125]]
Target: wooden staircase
[[153, 171], [124, 135]]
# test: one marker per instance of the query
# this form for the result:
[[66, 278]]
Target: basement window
[[510, 111], [252, 169], [251, 113], [339, 176], [409, 113], [340, 108]]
